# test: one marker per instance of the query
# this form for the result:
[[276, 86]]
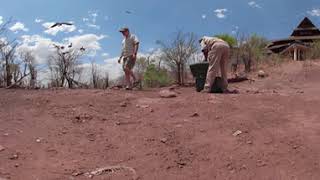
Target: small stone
[[243, 167], [2, 148], [16, 165], [262, 74], [38, 140], [77, 174], [195, 114], [237, 133], [151, 110], [14, 157], [163, 140], [6, 134], [118, 123], [300, 92], [261, 163], [249, 142], [167, 94], [123, 104]]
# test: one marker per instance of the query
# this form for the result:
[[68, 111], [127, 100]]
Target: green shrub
[[154, 77], [314, 52], [231, 40]]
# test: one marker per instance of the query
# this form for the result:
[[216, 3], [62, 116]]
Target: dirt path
[[55, 135]]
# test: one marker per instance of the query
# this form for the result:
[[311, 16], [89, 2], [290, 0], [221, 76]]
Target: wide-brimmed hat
[[124, 29]]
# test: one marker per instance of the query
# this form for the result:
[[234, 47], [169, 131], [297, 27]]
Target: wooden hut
[[297, 45]]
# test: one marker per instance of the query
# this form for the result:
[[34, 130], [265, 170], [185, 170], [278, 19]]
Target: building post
[[295, 54]]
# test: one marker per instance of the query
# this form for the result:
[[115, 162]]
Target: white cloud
[[105, 54], [80, 31], [1, 20], [235, 29], [89, 41], [220, 13], [54, 31], [41, 47], [314, 12], [38, 20], [204, 16], [85, 19], [91, 20], [254, 4], [94, 16], [113, 68], [94, 26], [18, 27]]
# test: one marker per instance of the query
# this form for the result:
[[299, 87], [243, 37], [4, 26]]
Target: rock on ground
[[167, 94]]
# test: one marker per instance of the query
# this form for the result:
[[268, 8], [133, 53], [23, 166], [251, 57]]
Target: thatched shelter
[[297, 45]]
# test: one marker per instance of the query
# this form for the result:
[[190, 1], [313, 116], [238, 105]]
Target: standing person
[[216, 52], [130, 46]]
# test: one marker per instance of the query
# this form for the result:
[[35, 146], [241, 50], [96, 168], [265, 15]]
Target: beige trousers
[[218, 62]]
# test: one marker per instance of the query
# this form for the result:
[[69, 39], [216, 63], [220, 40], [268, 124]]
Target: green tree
[[154, 77], [231, 40]]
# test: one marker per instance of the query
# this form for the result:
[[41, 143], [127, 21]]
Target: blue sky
[[153, 20]]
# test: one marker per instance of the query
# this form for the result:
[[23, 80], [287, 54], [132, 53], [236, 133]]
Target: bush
[[314, 52], [231, 40], [154, 77]]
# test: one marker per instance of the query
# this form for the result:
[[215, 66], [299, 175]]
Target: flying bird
[[82, 49], [56, 46], [128, 12], [58, 24]]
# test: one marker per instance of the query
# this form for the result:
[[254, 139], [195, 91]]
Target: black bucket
[[199, 72]]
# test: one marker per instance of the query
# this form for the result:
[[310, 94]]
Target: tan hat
[[124, 29]]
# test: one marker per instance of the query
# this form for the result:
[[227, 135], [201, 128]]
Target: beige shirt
[[128, 45], [207, 42]]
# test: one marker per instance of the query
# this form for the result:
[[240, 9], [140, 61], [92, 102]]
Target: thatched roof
[[305, 33]]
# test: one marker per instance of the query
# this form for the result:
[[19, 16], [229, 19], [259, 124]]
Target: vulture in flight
[[58, 24], [128, 12], [82, 49]]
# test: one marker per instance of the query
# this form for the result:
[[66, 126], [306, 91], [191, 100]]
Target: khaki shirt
[[207, 42], [128, 45]]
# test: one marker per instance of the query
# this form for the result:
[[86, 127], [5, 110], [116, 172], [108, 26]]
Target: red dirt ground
[[61, 134]]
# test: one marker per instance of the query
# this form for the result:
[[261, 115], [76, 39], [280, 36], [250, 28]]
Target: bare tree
[[94, 75], [177, 52], [65, 67], [30, 64], [98, 80], [251, 50], [8, 53]]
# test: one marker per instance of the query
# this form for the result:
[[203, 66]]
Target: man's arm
[[121, 55], [204, 50], [136, 48], [205, 53]]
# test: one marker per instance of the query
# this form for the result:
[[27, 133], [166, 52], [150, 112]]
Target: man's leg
[[133, 76], [224, 66], [214, 57], [127, 74]]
